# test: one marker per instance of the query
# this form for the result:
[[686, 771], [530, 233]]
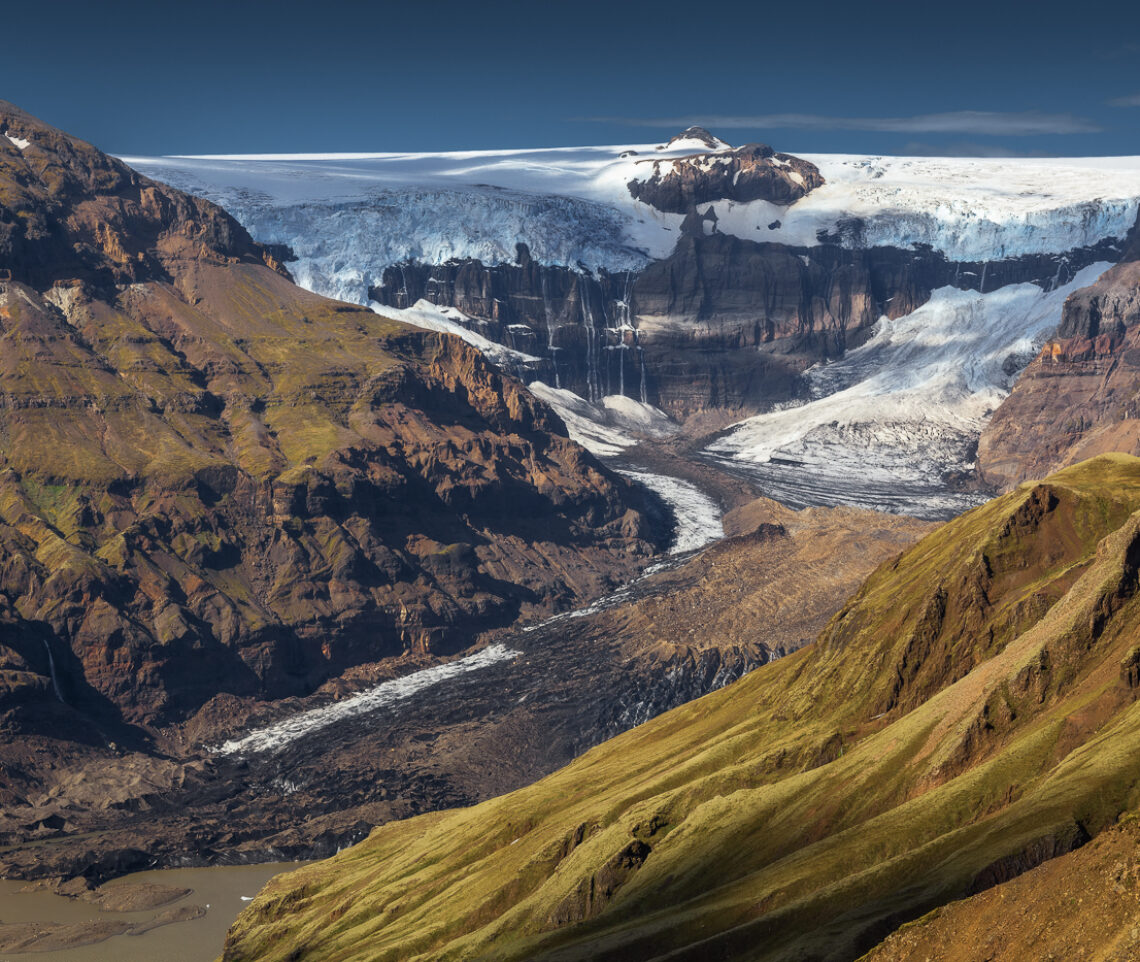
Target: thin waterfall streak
[[51, 669]]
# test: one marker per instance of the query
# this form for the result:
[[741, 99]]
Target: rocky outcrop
[[699, 134], [1080, 905], [743, 174], [212, 481], [69, 211], [1081, 395]]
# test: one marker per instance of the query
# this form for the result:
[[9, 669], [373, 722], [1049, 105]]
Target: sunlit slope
[[970, 712]]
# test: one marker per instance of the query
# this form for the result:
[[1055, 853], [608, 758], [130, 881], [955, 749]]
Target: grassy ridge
[[967, 714]]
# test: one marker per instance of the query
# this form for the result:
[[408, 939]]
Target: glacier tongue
[[893, 418]]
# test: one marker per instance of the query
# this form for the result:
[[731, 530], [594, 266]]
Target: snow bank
[[450, 320], [609, 427], [19, 142]]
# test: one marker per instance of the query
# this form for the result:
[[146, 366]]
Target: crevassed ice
[[347, 217], [276, 736], [908, 406]]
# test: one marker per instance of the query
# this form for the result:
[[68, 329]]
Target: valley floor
[[466, 730]]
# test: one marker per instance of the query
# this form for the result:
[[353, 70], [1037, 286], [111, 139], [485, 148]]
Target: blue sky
[[209, 77]]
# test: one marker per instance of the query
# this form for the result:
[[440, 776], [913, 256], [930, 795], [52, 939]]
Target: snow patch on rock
[[451, 320]]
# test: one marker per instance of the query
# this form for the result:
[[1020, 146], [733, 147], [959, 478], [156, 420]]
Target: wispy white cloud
[[1131, 100], [966, 149], [1016, 124]]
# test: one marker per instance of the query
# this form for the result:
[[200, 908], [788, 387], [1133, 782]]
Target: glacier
[[698, 516], [893, 424], [349, 216], [279, 735], [892, 420]]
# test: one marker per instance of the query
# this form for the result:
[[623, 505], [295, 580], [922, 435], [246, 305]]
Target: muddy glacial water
[[222, 891]]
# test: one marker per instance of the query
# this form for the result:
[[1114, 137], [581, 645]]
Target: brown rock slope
[[1081, 396], [971, 712], [1084, 905], [212, 481]]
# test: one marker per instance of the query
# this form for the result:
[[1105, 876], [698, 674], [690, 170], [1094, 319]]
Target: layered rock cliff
[[576, 321], [213, 481], [1081, 395], [722, 322]]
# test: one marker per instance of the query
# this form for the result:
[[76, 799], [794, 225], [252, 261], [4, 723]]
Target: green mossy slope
[[968, 714]]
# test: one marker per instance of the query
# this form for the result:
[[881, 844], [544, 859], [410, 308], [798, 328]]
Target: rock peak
[[699, 134]]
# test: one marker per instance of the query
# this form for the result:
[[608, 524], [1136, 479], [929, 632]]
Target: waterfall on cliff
[[641, 365], [550, 331], [51, 669], [593, 389], [404, 299]]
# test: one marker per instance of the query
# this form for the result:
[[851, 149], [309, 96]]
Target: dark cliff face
[[577, 322], [213, 481], [751, 172], [1081, 395], [721, 322]]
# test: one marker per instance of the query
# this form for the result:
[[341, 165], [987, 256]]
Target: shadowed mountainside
[[1081, 905], [575, 681]]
